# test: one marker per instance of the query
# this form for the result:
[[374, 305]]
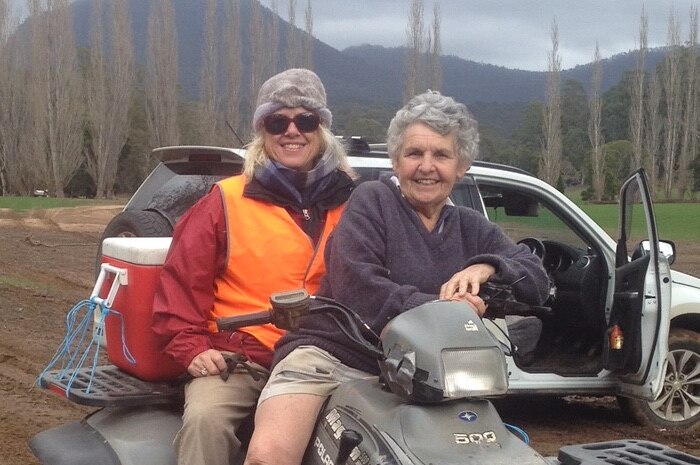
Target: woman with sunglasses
[[261, 232]]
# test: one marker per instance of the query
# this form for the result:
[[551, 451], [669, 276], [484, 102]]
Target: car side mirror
[[519, 205], [666, 248]]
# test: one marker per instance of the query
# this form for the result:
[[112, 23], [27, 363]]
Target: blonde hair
[[330, 145]]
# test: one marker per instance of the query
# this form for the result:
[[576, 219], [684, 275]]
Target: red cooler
[[136, 263]]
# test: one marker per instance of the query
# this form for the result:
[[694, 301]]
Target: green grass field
[[675, 221], [32, 203]]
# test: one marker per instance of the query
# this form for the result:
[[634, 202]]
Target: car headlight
[[471, 373]]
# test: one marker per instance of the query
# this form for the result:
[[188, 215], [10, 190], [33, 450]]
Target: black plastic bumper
[[108, 386], [75, 443], [625, 452]]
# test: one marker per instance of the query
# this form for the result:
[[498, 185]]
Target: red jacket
[[185, 294]]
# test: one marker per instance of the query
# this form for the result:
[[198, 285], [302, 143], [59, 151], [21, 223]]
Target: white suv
[[594, 286]]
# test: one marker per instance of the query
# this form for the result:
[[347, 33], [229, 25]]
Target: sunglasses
[[277, 124]]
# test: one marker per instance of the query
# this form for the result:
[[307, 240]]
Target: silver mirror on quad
[[454, 357]]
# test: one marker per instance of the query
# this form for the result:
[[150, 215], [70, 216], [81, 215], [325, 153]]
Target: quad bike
[[430, 405]]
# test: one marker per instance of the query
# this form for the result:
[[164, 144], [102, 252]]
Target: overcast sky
[[510, 33]]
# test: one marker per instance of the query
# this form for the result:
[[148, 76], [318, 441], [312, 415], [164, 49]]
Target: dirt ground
[[46, 266]]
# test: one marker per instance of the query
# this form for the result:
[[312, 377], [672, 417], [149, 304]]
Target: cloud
[[511, 33]]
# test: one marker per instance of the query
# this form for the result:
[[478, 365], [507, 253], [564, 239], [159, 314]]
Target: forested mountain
[[348, 78], [364, 85], [366, 74]]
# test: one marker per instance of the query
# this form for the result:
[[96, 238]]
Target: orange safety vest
[[267, 253]]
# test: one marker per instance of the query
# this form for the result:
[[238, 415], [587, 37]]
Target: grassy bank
[[32, 203]]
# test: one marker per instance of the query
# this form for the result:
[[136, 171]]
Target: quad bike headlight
[[441, 351], [474, 373]]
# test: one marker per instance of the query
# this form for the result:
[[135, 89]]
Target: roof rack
[[378, 147], [368, 154], [500, 166], [379, 151]]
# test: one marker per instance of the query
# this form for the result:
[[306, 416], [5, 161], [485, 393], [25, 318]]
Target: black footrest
[[108, 386], [624, 452]]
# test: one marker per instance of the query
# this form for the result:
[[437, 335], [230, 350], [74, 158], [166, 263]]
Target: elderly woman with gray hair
[[399, 244]]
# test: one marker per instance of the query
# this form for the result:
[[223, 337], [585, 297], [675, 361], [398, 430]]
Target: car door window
[[571, 341], [521, 215]]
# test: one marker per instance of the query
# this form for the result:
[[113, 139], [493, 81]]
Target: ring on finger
[[204, 372]]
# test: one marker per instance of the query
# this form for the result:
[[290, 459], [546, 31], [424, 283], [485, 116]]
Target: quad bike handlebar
[[287, 308], [500, 301]]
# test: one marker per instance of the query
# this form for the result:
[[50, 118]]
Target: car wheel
[[677, 407], [134, 223]]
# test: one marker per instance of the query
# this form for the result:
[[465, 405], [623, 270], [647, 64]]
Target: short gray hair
[[442, 114]]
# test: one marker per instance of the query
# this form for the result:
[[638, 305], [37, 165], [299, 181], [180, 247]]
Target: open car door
[[636, 342]]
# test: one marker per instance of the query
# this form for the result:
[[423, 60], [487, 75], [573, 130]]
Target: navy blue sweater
[[382, 261]]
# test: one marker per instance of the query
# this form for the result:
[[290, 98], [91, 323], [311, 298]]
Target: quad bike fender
[[112, 436], [74, 443], [397, 431]]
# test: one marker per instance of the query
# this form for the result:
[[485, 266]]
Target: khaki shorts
[[309, 370]]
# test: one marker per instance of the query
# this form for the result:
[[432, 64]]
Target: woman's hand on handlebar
[[476, 302], [207, 363], [467, 281]]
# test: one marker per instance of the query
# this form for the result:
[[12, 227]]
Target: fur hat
[[294, 87]]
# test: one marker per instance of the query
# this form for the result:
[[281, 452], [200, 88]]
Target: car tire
[[134, 223], [677, 406]]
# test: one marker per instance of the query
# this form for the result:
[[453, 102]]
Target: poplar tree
[[231, 38], [257, 53], [21, 137], [294, 51], [423, 51], [672, 91], [56, 95], [435, 65], [414, 49], [162, 75], [109, 88], [550, 162], [208, 95], [595, 133], [652, 131], [690, 114], [4, 94], [308, 37], [637, 94], [273, 35]]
